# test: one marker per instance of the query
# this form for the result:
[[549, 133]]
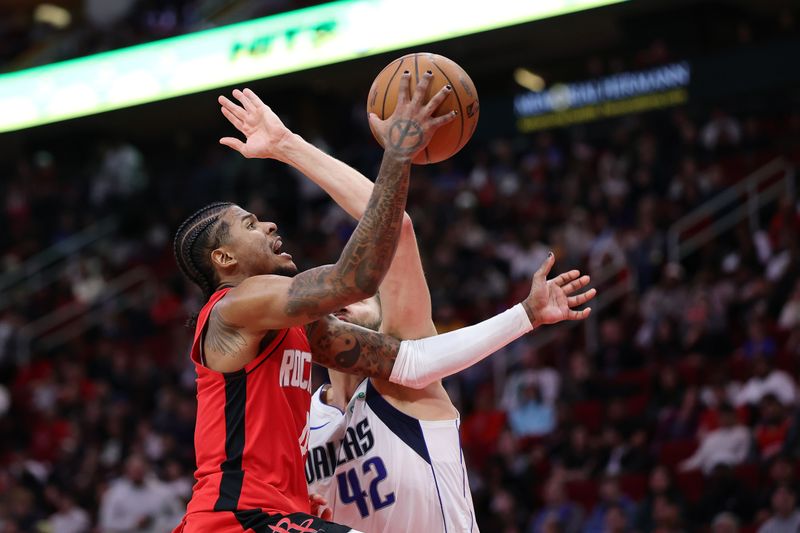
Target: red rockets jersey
[[251, 436]]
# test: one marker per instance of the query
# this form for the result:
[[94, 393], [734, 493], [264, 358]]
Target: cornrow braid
[[195, 239]]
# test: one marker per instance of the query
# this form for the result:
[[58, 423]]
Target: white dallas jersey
[[382, 470]]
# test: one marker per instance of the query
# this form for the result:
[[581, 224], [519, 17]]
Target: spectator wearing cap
[[728, 444], [785, 514]]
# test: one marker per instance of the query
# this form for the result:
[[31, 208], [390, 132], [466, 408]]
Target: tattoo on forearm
[[405, 136], [368, 254], [223, 337], [352, 349]]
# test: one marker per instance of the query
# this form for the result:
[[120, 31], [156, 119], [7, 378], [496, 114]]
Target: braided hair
[[195, 239]]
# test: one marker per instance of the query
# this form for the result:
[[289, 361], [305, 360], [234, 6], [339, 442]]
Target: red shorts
[[257, 521]]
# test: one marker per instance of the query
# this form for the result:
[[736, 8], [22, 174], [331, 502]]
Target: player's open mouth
[[276, 248]]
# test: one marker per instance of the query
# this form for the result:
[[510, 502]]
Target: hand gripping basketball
[[412, 125]]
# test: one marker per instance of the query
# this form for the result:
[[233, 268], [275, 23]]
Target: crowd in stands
[[679, 413]]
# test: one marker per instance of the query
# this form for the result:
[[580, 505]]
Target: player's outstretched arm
[[263, 302], [405, 298], [355, 350]]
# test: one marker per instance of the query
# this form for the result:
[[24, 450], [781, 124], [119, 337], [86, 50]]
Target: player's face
[[366, 313], [256, 246]]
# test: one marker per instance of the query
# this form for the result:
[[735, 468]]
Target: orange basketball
[[450, 138]]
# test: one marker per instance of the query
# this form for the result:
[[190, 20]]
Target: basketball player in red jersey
[[252, 353]]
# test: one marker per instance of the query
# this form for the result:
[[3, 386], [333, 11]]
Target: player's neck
[[342, 388]]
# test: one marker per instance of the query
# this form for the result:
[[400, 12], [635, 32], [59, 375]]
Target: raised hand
[[261, 127], [552, 301], [412, 125]]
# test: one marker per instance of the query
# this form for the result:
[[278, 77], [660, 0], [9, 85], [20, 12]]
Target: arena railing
[[44, 268], [742, 201], [134, 287], [716, 216]]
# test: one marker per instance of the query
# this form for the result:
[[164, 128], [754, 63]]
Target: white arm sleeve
[[422, 362]]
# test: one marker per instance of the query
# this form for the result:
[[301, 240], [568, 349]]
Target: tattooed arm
[[263, 303], [355, 350], [343, 346]]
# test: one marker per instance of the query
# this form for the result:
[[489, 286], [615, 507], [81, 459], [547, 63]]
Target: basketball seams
[[442, 146], [460, 109], [416, 72], [388, 85]]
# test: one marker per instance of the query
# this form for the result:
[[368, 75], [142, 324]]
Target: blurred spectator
[[557, 509], [481, 428], [780, 471], [139, 502], [610, 498], [530, 370], [621, 455], [785, 514], [660, 484], [577, 458], [721, 131], [616, 520], [532, 417], [69, 518], [724, 492], [581, 383], [614, 353], [759, 343], [680, 422], [790, 314], [772, 428], [725, 523], [728, 444], [767, 380], [714, 395]]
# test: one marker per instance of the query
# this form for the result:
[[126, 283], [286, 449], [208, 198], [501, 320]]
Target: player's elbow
[[408, 225]]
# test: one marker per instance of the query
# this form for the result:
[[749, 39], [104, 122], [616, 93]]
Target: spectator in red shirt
[[772, 428], [481, 429]]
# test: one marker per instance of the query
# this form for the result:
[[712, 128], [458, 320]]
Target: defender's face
[[256, 245], [366, 313]]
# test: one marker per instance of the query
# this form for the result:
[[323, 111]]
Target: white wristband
[[422, 362]]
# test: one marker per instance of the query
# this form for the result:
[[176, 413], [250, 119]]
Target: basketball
[[450, 138]]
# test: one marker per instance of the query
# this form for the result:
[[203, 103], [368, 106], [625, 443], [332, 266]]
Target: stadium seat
[[674, 452], [634, 485], [748, 474], [633, 381], [691, 485], [583, 491], [637, 405], [590, 414]]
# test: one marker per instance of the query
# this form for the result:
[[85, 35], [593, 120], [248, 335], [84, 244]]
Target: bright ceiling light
[[529, 80], [54, 15]]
